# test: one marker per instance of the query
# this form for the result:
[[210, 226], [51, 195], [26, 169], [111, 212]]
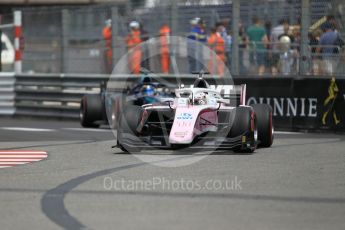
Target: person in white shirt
[[276, 32]]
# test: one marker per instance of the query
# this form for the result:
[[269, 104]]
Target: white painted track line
[[25, 129], [287, 133], [86, 129]]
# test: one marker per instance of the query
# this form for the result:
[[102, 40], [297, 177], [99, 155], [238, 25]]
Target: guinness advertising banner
[[300, 104]]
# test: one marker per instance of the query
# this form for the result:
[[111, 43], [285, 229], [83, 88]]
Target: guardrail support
[[66, 20], [17, 37], [235, 23], [114, 36], [305, 23]]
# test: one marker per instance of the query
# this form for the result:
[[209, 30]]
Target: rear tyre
[[90, 110], [265, 124], [244, 125]]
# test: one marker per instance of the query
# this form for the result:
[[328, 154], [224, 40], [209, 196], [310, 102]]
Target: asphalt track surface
[[299, 183]]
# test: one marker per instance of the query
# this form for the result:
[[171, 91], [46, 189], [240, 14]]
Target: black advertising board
[[300, 104]]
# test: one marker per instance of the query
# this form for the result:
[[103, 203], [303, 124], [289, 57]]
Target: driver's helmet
[[148, 90], [200, 98]]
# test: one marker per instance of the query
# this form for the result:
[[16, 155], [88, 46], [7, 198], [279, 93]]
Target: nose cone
[[183, 127]]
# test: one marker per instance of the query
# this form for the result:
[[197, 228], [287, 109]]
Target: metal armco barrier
[[53, 95], [298, 104], [7, 94]]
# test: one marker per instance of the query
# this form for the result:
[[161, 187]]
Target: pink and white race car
[[198, 117]]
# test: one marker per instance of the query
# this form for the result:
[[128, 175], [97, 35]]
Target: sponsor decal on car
[[182, 101], [183, 124], [180, 134], [184, 116]]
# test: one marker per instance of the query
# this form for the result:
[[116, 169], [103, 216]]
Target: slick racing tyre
[[90, 110], [114, 114], [244, 124], [128, 123], [265, 124], [120, 146], [130, 118]]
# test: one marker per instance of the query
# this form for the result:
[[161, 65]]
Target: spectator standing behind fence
[[221, 28], [202, 39], [287, 51], [145, 59], [217, 57], [268, 29], [133, 41], [258, 42], [326, 48], [331, 19], [314, 38], [108, 54], [274, 40], [164, 36], [196, 39], [191, 39]]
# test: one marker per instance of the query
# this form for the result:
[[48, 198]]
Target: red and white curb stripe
[[10, 158]]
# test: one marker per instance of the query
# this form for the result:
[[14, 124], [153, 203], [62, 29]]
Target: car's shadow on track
[[177, 152]]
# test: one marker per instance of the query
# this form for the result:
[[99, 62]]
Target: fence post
[[174, 17], [235, 42], [305, 23], [17, 36], [66, 20], [0, 44], [114, 35], [129, 9]]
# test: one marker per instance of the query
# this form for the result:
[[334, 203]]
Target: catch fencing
[[69, 39]]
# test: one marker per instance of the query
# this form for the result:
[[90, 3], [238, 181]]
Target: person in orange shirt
[[164, 34], [108, 54], [217, 57], [133, 41]]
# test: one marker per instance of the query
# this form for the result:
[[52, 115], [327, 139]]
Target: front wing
[[205, 142]]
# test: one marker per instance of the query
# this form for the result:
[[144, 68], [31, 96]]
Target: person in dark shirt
[[243, 42], [314, 38], [196, 39], [326, 47]]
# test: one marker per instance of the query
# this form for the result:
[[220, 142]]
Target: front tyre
[[114, 116], [244, 126], [128, 124], [265, 124]]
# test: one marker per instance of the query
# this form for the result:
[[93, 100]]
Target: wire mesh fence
[[7, 54], [70, 39]]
